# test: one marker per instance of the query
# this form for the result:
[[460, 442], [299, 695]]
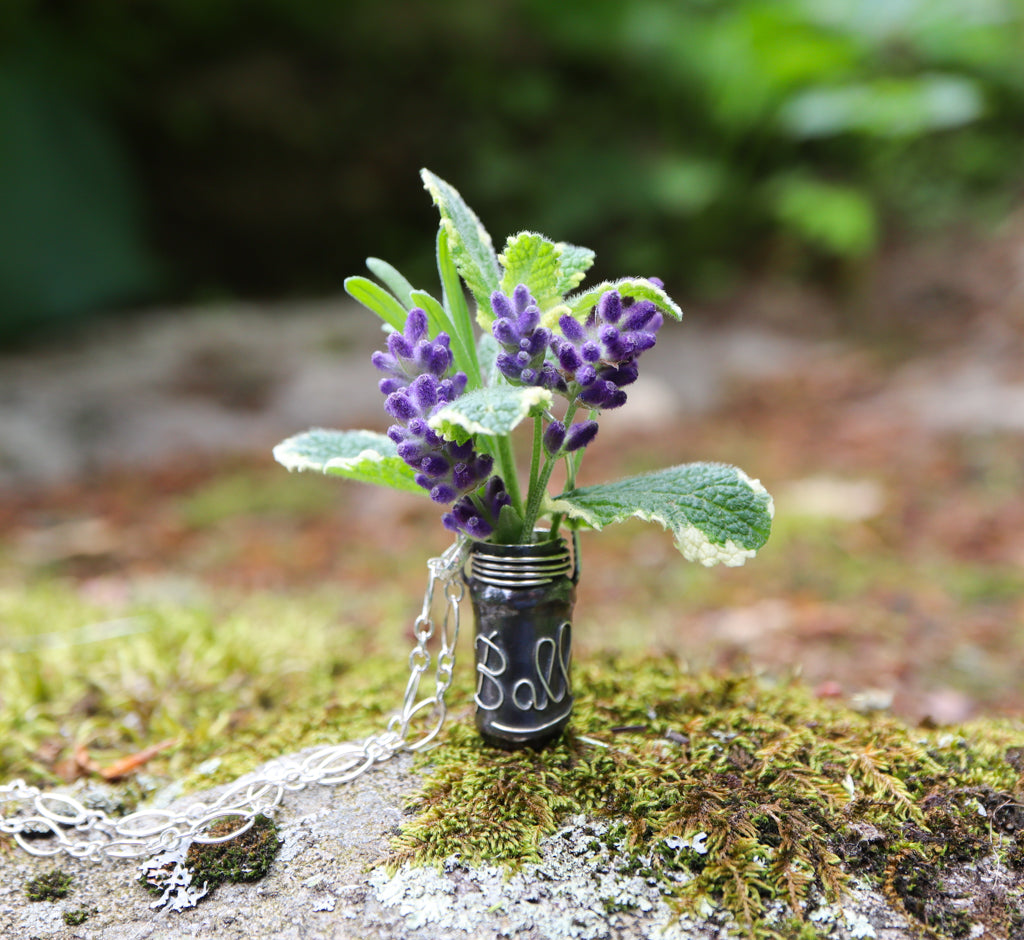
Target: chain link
[[47, 823]]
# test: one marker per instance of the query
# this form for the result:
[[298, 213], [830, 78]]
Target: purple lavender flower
[[523, 340], [579, 435], [558, 440], [477, 514], [411, 353], [416, 388], [600, 353], [554, 437]]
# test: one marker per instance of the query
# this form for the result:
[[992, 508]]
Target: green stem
[[538, 445], [536, 495], [507, 467], [539, 485], [570, 483], [571, 466]]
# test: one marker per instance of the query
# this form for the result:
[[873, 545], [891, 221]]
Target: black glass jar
[[523, 597]]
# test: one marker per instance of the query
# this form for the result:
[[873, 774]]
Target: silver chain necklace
[[67, 825]]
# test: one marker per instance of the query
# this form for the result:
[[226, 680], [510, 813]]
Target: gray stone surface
[[318, 886], [327, 882]]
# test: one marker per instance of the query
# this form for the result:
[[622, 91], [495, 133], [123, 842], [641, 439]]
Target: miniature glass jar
[[523, 597]]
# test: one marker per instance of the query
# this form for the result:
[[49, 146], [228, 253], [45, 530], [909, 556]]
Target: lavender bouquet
[[546, 353]]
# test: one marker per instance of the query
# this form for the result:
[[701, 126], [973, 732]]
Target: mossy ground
[[236, 679], [797, 796], [244, 858]]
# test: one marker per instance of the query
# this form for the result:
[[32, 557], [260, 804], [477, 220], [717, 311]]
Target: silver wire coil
[[519, 571]]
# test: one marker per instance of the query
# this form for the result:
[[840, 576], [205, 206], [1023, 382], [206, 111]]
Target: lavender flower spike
[[477, 514], [599, 355], [523, 340], [417, 385], [554, 437], [411, 353]]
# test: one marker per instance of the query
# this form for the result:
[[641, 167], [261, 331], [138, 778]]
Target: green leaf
[[639, 288], [532, 259], [365, 456], [509, 527], [550, 269], [455, 307], [716, 513], [492, 411], [393, 280], [470, 244], [573, 263], [887, 106], [377, 300]]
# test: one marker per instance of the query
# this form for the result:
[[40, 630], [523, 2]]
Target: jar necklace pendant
[[523, 597]]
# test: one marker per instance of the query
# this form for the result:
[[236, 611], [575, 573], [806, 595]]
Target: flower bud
[[399, 346], [442, 493], [399, 407], [423, 393], [501, 306], [434, 465], [554, 437], [572, 329], [609, 307], [416, 325], [580, 435]]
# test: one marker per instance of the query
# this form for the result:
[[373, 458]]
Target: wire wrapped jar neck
[[521, 566]]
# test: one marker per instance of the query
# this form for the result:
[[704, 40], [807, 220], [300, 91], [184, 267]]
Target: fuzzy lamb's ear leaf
[[470, 244], [573, 263], [549, 269], [532, 259], [365, 456], [717, 514], [639, 288], [495, 410]]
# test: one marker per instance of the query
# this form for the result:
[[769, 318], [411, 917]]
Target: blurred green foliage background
[[184, 150]]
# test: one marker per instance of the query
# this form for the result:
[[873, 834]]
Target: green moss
[[76, 918], [52, 886], [245, 858], [242, 679], [795, 795]]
